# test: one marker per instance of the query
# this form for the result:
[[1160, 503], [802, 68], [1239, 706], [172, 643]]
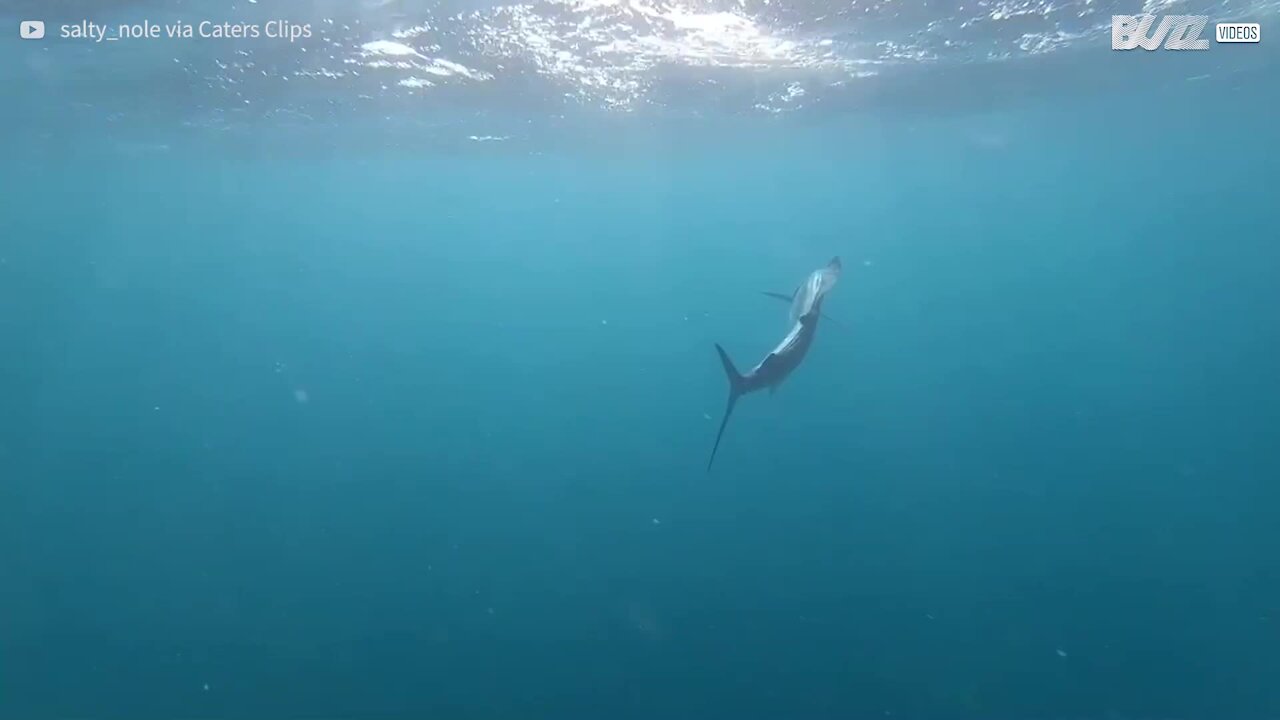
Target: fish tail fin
[[737, 385]]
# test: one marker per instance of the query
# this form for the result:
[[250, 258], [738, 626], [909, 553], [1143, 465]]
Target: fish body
[[769, 373]]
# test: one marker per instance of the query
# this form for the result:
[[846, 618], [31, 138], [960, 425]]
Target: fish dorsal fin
[[798, 303]]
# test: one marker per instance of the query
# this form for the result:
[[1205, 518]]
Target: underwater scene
[[749, 359]]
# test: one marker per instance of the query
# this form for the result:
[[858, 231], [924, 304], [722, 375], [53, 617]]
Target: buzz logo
[[1176, 32]]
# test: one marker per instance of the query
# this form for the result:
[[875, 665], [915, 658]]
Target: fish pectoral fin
[[789, 298], [778, 296], [830, 319]]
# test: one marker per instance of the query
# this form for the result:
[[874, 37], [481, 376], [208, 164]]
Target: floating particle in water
[[206, 687], [927, 615], [604, 322], [489, 610], [656, 521], [866, 263], [1062, 653], [157, 408], [706, 416], [301, 396]]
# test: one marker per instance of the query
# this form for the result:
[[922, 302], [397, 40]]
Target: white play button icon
[[31, 29]]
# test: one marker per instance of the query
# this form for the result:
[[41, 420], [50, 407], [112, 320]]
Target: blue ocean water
[[382, 384]]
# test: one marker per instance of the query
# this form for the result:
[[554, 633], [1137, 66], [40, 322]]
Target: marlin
[[806, 310]]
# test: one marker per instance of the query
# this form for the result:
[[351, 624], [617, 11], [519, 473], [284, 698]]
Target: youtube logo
[[31, 29]]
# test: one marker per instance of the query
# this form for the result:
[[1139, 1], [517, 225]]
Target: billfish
[[806, 309]]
